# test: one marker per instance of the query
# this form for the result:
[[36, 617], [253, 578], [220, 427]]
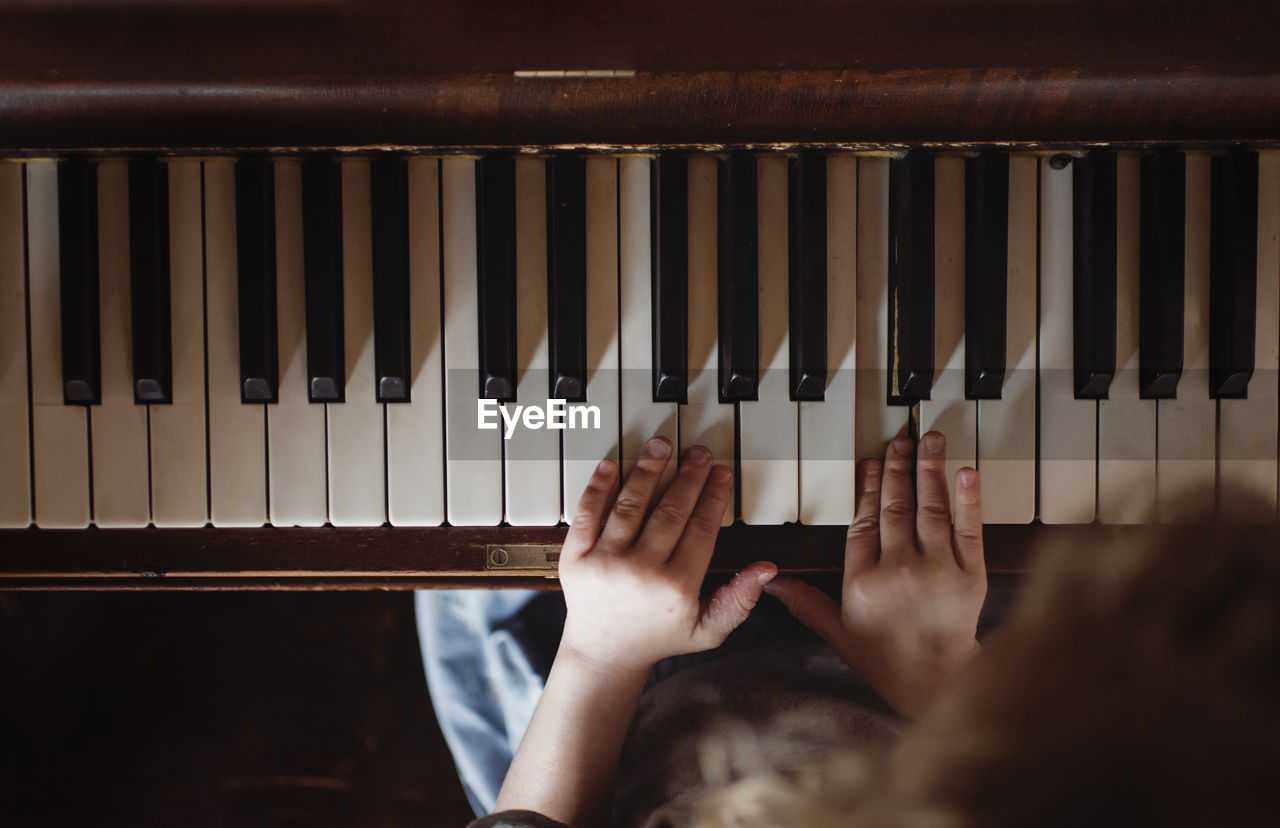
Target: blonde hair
[[1137, 682]]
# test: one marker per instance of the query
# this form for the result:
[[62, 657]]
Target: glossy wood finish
[[397, 72]]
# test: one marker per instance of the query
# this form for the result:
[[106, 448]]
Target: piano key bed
[[271, 344]]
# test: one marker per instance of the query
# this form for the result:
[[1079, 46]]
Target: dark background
[[202, 709]]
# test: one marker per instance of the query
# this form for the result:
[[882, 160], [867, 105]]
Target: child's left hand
[[633, 589]]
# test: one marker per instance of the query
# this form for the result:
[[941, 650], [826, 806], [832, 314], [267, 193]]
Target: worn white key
[[356, 443], [1187, 426], [473, 457], [532, 456], [641, 416], [1126, 423], [827, 484], [1007, 426], [875, 422], [415, 430], [237, 432], [179, 494], [584, 448], [121, 468], [59, 433], [769, 426], [947, 411], [1068, 427], [15, 454], [1247, 450], [705, 420], [295, 427]]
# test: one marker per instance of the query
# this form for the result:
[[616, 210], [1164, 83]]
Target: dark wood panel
[[396, 72], [390, 558]]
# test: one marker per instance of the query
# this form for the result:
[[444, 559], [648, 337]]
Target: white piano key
[[1068, 427], [237, 432], [1247, 446], [876, 422], [1007, 426], [705, 420], [769, 426], [15, 454], [947, 411], [356, 443], [827, 478], [473, 457], [1187, 426], [641, 416], [59, 433], [415, 430], [121, 466], [1126, 423], [179, 495], [584, 448], [532, 456], [298, 494]]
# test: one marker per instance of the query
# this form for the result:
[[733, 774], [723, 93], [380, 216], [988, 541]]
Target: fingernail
[[657, 447], [721, 474], [765, 577], [934, 442], [698, 456], [903, 446], [870, 474], [604, 467], [967, 477]]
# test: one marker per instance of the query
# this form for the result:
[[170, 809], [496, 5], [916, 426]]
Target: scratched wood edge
[[402, 558]]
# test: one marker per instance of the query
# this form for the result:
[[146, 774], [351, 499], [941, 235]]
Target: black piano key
[[567, 275], [1094, 214], [986, 273], [911, 219], [78, 281], [322, 268], [1162, 273], [256, 279], [807, 277], [1233, 269], [149, 281], [496, 289], [389, 191], [738, 274], [669, 215]]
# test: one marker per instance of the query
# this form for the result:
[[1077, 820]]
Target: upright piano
[[337, 294]]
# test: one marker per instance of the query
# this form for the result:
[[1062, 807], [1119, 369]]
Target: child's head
[[1137, 683]]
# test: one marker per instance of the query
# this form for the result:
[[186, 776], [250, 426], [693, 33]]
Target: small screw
[[1060, 161], [499, 557]]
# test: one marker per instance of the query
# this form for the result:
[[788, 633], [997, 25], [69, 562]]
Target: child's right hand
[[913, 583]]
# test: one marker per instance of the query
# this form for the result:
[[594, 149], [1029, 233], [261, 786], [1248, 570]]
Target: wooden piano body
[[222, 77]]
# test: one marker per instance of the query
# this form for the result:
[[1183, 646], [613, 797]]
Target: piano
[[323, 294]]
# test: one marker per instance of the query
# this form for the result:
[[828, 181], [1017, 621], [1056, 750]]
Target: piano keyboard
[[295, 341]]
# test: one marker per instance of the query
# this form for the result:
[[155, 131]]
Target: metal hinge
[[522, 556]]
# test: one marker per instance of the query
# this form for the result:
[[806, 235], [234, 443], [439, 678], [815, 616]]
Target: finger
[[810, 606], [666, 522], [731, 604], [692, 555], [632, 503], [968, 528], [862, 544], [933, 514], [589, 514], [897, 500]]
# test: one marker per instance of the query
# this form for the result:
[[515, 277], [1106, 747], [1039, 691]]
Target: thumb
[[732, 603], [810, 605]]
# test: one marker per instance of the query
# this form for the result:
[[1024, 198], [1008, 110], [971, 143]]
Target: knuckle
[[704, 523], [897, 510], [629, 507], [667, 512], [935, 510], [864, 526]]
